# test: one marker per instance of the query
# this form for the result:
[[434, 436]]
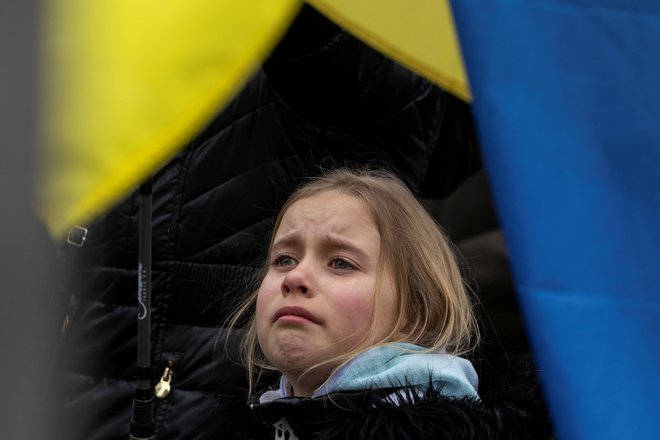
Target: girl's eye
[[284, 260], [341, 264]]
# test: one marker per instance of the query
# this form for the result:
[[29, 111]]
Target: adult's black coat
[[322, 99]]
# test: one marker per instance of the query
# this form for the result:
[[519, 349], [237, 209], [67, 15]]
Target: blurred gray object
[[25, 246]]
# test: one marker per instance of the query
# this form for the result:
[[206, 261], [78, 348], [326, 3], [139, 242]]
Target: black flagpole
[[142, 416]]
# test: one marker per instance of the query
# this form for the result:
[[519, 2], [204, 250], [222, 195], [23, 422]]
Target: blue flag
[[567, 99]]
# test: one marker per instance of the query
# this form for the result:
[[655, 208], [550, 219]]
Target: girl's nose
[[296, 281]]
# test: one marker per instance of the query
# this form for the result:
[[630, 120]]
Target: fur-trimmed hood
[[392, 366], [511, 407]]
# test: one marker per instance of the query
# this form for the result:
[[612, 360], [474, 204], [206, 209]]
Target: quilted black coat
[[322, 99]]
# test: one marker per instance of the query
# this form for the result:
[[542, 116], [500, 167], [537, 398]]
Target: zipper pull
[[162, 389]]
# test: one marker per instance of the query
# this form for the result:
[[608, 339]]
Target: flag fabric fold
[[567, 103], [129, 82], [419, 35]]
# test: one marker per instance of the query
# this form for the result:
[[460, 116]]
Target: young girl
[[362, 309]]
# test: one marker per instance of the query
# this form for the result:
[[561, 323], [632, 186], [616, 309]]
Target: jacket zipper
[[164, 386]]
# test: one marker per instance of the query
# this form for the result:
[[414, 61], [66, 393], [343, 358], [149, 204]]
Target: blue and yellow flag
[[567, 99], [129, 82]]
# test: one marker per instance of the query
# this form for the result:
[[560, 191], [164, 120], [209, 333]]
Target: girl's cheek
[[261, 313], [356, 309], [269, 290], [262, 299]]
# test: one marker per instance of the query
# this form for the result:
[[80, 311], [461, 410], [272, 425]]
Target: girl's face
[[317, 298]]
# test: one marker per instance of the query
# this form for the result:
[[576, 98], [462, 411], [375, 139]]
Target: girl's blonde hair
[[434, 305]]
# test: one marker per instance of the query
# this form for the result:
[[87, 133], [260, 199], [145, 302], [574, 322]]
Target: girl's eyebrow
[[338, 242], [288, 240], [333, 242]]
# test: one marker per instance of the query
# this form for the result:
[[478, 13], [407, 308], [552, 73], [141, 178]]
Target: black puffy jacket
[[322, 99]]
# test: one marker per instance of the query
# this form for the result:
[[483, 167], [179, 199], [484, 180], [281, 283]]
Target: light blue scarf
[[399, 364]]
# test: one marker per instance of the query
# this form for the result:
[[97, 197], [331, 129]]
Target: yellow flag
[[419, 34], [128, 82]]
